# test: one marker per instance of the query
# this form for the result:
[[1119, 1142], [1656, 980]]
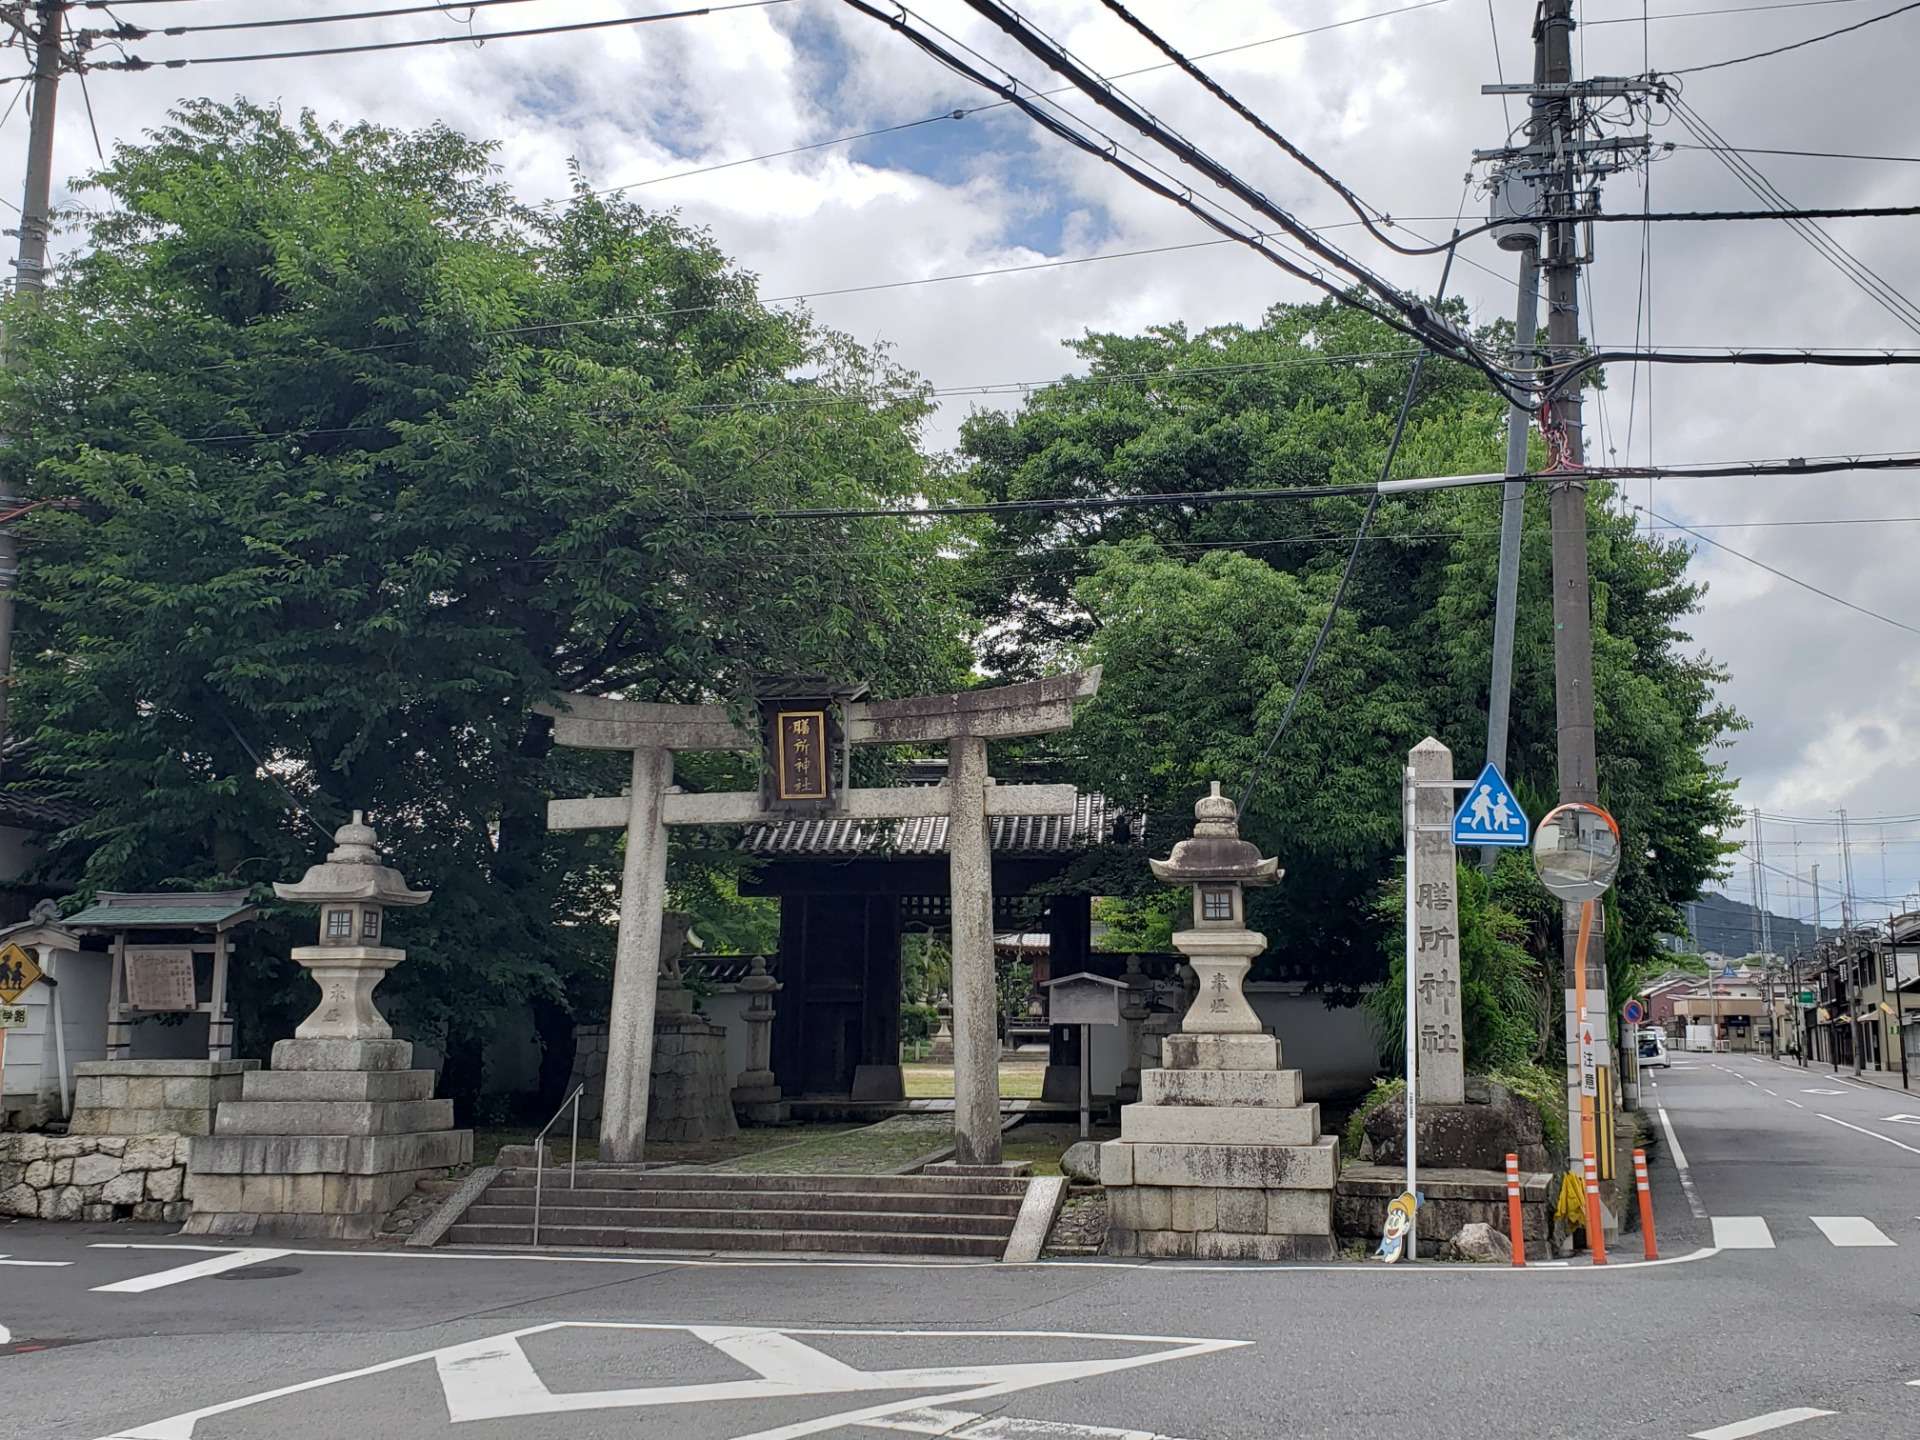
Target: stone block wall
[[93, 1177], [143, 1097]]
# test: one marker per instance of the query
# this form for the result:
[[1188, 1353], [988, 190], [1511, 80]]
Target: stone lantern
[[342, 1128], [352, 890], [1222, 1158], [1219, 865]]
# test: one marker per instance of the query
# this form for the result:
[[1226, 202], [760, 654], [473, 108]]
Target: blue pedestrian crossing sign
[[1490, 814]]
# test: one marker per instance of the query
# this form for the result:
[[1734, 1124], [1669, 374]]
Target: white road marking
[[493, 1379], [1900, 1119], [1741, 1232], [36, 1264], [180, 1274], [6, 1335], [1850, 1231], [1760, 1424], [966, 1425], [1812, 1091], [1679, 1164], [1874, 1133], [1795, 1103]]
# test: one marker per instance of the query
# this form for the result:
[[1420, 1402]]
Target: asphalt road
[[312, 1344]]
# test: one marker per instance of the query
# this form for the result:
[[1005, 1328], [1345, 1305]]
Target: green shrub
[[1546, 1092], [1384, 1092]]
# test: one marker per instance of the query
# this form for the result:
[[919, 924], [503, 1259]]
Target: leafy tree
[[1203, 614], [346, 461]]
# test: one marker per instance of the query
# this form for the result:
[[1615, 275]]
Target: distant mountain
[[1725, 926]]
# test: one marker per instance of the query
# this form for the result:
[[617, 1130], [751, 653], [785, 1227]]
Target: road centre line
[[1680, 1164], [1760, 1424], [180, 1274], [1874, 1133], [1158, 1267]]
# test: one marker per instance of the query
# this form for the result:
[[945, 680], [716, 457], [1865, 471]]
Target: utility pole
[[1819, 964], [30, 267]]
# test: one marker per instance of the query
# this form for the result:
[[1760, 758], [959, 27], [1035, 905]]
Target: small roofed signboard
[[801, 770], [160, 977], [18, 971]]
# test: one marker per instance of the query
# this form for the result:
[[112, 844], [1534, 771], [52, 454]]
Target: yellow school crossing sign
[[17, 973]]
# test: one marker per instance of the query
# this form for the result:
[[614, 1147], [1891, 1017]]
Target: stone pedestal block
[[690, 1095], [1219, 1125], [1269, 1089], [1220, 1052], [145, 1097], [324, 1145]]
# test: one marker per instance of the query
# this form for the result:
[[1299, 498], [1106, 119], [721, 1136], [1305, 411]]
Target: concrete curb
[[434, 1228], [1045, 1195]]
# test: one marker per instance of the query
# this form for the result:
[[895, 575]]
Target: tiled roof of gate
[[1090, 824]]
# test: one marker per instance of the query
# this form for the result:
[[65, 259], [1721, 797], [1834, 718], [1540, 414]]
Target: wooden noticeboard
[[160, 978]]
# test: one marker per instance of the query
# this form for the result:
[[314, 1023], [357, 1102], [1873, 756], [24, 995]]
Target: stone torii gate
[[805, 740]]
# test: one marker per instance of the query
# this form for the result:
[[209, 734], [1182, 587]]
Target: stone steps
[[961, 1217], [849, 1196], [845, 1242], [727, 1217]]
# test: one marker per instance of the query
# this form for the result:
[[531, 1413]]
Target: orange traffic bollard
[[1596, 1228], [1646, 1202], [1516, 1227]]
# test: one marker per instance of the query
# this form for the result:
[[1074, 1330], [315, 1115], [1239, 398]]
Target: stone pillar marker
[[1220, 1159], [1436, 948]]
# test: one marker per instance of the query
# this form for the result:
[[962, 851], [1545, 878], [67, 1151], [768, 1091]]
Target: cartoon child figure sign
[[1393, 1242]]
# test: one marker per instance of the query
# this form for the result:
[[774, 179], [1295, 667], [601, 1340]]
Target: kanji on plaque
[[801, 756], [160, 978]]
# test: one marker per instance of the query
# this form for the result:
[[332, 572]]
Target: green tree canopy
[[1203, 614], [346, 461]]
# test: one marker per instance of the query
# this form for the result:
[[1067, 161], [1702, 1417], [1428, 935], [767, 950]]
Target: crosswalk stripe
[[1741, 1232], [1851, 1230], [1760, 1424]]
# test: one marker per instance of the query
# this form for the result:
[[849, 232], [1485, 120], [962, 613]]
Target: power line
[[1804, 154], [1798, 44], [1864, 278], [1792, 579], [1644, 16], [971, 110], [137, 63], [142, 32], [1413, 319]]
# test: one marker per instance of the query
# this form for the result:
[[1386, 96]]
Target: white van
[[1653, 1050]]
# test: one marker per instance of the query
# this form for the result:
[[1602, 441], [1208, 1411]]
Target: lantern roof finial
[[352, 872], [1216, 851]]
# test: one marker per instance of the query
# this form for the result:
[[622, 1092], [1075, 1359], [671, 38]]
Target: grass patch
[[935, 1082], [750, 1141], [1043, 1145]]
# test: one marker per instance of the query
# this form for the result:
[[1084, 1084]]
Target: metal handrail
[[540, 1153]]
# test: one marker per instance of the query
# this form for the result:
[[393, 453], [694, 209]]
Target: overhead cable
[[1412, 319], [1359, 539], [1862, 276], [1233, 103], [1644, 16], [1791, 579], [1798, 44], [141, 32], [137, 63]]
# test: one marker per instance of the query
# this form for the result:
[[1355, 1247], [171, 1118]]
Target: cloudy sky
[[1391, 102]]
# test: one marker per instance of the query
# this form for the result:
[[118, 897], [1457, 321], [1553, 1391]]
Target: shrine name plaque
[[802, 755], [160, 977]]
